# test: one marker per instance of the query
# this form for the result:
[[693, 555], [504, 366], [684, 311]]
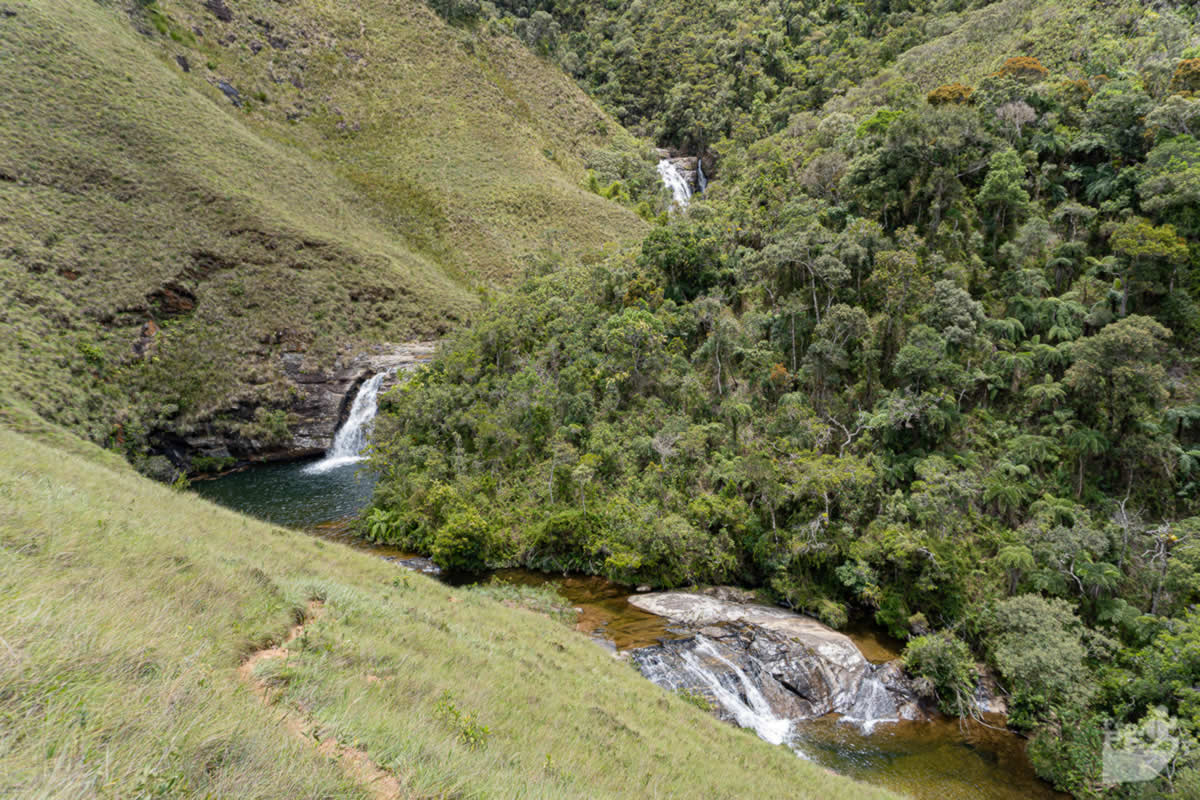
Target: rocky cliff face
[[799, 667], [320, 401]]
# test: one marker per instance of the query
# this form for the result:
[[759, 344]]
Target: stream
[[938, 760], [931, 760]]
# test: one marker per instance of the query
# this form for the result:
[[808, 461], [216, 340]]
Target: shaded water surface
[[289, 494], [938, 760]]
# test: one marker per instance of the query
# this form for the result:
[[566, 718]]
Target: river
[[939, 760]]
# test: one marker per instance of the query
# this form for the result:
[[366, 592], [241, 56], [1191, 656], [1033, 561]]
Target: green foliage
[[693, 698], [462, 543], [465, 724], [944, 662], [1067, 752], [1037, 646]]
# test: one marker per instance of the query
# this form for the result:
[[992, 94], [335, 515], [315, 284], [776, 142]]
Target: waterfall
[[351, 438], [872, 705], [704, 668], [701, 180], [681, 192]]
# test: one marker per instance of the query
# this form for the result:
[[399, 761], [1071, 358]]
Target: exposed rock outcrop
[[320, 401], [801, 668]]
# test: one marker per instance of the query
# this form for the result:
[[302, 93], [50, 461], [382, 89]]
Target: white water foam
[[351, 439], [681, 191]]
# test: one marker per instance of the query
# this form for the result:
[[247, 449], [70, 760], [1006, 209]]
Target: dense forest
[[924, 353]]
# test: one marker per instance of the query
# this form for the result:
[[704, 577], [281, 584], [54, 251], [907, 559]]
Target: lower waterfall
[[351, 438], [703, 668]]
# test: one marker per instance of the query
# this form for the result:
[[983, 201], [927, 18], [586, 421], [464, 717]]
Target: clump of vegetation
[[541, 599], [468, 729], [951, 93], [944, 664]]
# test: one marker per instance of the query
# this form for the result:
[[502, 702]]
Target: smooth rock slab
[[804, 669]]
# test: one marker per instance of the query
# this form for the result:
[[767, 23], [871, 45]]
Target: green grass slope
[[381, 166], [128, 607]]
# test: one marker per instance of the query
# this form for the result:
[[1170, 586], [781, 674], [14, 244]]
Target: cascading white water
[[873, 704], [351, 438], [742, 701], [681, 191], [701, 180]]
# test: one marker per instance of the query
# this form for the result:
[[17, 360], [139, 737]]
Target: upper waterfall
[[681, 190], [351, 438]]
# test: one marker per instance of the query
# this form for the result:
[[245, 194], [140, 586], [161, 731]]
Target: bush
[[563, 542], [1067, 753], [463, 542], [1038, 649], [950, 94], [945, 664], [1024, 68]]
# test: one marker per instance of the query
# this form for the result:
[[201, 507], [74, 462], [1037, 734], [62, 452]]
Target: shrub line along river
[[938, 760]]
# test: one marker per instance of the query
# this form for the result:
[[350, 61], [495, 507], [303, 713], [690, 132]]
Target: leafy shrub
[[1024, 68], [1038, 649], [1067, 753], [463, 542], [944, 664], [564, 542], [470, 731], [950, 94]]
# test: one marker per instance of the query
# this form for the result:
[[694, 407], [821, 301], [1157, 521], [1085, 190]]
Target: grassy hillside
[[129, 606], [376, 168]]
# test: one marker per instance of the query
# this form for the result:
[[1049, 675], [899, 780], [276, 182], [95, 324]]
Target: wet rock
[[420, 564], [989, 697], [909, 705], [321, 397], [801, 668]]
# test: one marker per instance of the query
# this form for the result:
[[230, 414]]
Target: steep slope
[[128, 608], [174, 220]]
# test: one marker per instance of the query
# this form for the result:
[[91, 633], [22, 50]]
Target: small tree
[[1144, 248], [1187, 76], [943, 663], [1038, 649], [1003, 193], [462, 543]]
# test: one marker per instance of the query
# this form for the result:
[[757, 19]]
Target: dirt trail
[[354, 761]]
